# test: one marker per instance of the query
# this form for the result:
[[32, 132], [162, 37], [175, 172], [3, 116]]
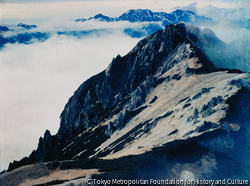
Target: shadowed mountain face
[[161, 111]]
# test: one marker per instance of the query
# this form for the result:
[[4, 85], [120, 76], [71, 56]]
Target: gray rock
[[206, 126], [121, 90]]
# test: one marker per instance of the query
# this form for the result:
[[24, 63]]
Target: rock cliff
[[164, 96]]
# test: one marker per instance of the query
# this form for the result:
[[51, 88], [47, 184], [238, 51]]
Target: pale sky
[[32, 11], [37, 80]]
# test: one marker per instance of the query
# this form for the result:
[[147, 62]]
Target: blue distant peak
[[26, 26], [4, 28], [102, 17], [80, 20], [146, 15]]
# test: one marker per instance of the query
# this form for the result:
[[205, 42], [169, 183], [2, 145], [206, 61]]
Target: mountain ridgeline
[[164, 106], [153, 21], [147, 22], [146, 15]]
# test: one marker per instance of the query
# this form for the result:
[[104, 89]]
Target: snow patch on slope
[[180, 107]]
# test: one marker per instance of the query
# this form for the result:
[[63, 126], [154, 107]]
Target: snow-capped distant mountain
[[20, 34], [4, 28], [16, 28], [146, 15], [142, 15], [26, 26], [101, 17], [154, 21], [161, 111]]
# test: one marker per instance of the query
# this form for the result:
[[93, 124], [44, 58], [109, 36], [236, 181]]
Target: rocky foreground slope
[[162, 111]]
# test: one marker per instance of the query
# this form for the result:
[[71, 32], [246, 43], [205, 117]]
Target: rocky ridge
[[164, 96]]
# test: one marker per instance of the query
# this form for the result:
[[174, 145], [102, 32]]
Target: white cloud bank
[[37, 81]]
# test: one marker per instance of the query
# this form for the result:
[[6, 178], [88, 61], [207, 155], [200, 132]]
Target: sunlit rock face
[[165, 107]]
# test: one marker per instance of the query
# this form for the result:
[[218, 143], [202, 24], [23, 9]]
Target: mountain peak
[[101, 17], [164, 96], [146, 15], [139, 15], [112, 92], [26, 26]]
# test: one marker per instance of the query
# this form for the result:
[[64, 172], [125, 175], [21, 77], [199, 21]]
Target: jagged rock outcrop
[[165, 94], [112, 89]]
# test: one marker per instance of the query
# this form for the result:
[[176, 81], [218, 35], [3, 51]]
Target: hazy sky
[[37, 80], [44, 10]]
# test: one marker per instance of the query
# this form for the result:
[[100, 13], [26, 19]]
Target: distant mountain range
[[154, 21], [150, 22], [21, 33], [16, 28], [146, 15]]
